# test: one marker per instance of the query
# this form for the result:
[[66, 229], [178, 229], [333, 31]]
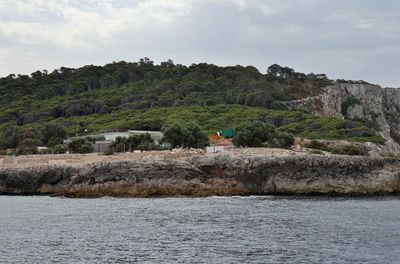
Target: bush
[[315, 144], [60, 149], [349, 102], [258, 134], [187, 135], [80, 145], [254, 134], [28, 146], [348, 124], [53, 134], [352, 150], [283, 140], [100, 138], [165, 146], [135, 142]]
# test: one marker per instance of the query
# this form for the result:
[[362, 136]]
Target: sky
[[347, 39]]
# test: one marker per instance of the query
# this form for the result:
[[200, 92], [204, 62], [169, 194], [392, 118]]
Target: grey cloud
[[356, 39]]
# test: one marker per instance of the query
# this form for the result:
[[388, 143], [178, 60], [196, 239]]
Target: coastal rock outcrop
[[231, 173], [360, 101]]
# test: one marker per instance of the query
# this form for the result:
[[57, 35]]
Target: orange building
[[214, 138]]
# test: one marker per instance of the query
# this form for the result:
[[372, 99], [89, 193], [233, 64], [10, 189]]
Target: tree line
[[178, 135], [67, 92]]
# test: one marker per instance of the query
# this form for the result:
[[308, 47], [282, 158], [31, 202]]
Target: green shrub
[[333, 128], [60, 149], [352, 150], [80, 145], [348, 124], [283, 140], [210, 119], [100, 138], [254, 134], [349, 102], [258, 134], [185, 135], [52, 134], [28, 146], [165, 146], [134, 142], [315, 144]]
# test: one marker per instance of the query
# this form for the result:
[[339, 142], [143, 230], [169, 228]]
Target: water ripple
[[200, 230]]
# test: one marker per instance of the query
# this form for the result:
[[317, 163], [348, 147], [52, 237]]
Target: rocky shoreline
[[230, 173]]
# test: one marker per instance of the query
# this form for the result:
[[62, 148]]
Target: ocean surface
[[200, 230]]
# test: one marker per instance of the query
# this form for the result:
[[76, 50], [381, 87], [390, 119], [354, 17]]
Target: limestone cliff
[[380, 106], [232, 173]]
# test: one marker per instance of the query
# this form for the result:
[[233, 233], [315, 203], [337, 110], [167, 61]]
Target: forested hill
[[69, 92], [44, 108]]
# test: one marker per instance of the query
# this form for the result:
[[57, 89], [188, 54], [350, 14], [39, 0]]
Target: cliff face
[[358, 101], [220, 174]]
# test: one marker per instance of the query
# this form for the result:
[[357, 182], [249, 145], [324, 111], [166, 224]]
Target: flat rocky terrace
[[25, 161]]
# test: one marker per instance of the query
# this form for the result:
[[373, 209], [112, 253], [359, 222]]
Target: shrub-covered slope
[[142, 95], [136, 86]]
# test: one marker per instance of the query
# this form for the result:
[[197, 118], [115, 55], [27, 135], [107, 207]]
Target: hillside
[[136, 86], [377, 107], [142, 95]]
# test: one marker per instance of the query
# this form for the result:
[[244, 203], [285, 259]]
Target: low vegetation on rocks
[[348, 149]]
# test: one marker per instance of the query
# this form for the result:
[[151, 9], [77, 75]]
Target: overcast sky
[[350, 39]]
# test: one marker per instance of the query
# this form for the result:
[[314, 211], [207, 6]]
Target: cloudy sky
[[350, 39]]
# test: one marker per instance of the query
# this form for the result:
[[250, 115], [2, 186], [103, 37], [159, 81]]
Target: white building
[[220, 146]]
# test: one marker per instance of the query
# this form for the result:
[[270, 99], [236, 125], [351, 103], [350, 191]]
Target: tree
[[280, 72], [167, 64], [28, 146], [283, 140], [135, 142], [145, 61], [53, 134], [185, 135], [253, 134], [10, 137], [80, 145], [60, 149]]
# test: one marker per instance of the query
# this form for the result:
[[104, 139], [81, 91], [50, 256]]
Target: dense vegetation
[[80, 145], [258, 134], [67, 92], [43, 108], [185, 135], [351, 149], [135, 142], [210, 119]]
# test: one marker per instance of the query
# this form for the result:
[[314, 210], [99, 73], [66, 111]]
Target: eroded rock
[[231, 173]]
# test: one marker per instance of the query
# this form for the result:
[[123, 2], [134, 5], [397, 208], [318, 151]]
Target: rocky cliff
[[359, 101], [231, 173]]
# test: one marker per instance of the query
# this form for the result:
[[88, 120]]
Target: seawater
[[200, 230]]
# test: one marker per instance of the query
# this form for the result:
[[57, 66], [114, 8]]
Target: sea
[[268, 229]]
